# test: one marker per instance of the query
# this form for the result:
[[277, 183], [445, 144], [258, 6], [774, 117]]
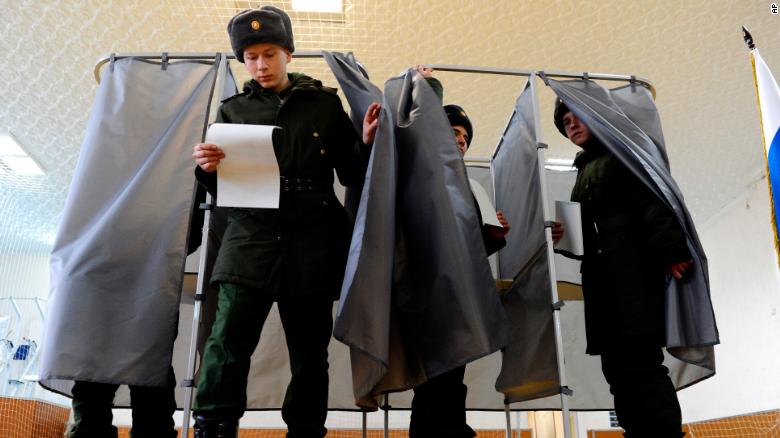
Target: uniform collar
[[298, 81], [593, 149]]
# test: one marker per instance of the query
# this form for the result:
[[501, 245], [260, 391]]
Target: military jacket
[[301, 248], [631, 238]]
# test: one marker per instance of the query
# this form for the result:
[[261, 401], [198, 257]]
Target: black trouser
[[152, 408], [241, 313], [439, 407], [645, 399]]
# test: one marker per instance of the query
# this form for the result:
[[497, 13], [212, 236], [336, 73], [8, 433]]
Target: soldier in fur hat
[[294, 256]]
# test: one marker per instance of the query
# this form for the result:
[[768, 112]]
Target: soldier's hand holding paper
[[208, 156], [248, 171]]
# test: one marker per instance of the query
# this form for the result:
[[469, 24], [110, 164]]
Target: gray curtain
[[443, 284], [409, 309], [117, 262], [529, 368], [626, 121], [360, 93]]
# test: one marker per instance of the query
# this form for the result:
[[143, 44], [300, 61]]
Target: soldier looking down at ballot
[[294, 255]]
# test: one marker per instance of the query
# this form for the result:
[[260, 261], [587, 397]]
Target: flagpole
[[752, 47]]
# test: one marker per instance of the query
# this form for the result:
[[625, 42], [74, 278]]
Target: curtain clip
[[544, 77]]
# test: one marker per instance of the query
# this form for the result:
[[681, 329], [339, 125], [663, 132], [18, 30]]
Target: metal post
[[365, 424], [565, 392], [189, 383], [387, 415], [508, 421]]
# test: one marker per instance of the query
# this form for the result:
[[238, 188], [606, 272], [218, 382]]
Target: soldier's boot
[[215, 427]]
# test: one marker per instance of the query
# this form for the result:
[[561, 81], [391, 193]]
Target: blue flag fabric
[[769, 107]]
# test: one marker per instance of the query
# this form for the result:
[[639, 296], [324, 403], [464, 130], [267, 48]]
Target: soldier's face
[[462, 138], [267, 63], [577, 131]]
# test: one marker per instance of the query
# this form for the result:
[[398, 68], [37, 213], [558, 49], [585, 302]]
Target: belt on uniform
[[614, 222], [289, 184]]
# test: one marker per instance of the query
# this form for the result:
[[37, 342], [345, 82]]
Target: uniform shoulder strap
[[244, 93]]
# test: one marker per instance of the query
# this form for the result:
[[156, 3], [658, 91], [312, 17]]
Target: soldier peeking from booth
[[294, 256], [633, 243]]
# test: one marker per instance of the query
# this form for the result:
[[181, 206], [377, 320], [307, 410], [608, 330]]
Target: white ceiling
[[692, 51]]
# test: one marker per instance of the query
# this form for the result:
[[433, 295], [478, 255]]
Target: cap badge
[[255, 24]]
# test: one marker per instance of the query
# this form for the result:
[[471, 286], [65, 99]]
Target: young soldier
[[295, 255], [632, 241]]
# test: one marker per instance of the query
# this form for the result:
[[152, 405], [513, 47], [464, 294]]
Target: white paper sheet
[[486, 208], [248, 176], [568, 214]]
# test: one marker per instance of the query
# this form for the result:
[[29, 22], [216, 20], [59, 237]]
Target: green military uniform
[[294, 255], [310, 231], [631, 238]]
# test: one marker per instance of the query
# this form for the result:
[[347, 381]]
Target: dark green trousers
[[241, 313], [152, 408]]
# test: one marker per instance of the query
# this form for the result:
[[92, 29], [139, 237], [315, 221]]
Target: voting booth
[[122, 245]]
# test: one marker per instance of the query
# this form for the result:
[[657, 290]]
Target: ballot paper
[[568, 214], [248, 176], [486, 208]]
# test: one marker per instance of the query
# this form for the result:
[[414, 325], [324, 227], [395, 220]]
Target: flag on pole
[[768, 94]]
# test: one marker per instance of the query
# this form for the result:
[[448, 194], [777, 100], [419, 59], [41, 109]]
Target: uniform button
[[324, 202], [315, 134], [278, 237], [598, 251], [322, 151]]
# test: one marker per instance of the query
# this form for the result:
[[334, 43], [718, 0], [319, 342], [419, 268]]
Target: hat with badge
[[458, 117], [268, 24]]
